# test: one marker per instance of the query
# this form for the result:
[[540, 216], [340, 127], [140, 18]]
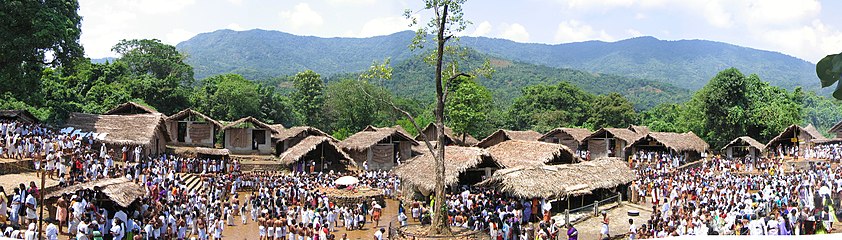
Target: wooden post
[[619, 199], [596, 207], [41, 197], [567, 216]]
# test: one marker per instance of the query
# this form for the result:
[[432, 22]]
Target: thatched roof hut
[[802, 134], [213, 151], [18, 115], [380, 148], [562, 180], [643, 130], [573, 138], [611, 142], [249, 136], [300, 131], [193, 114], [130, 108], [452, 138], [514, 153], [503, 135], [250, 120], [139, 129], [420, 171], [678, 142], [121, 191], [313, 147], [744, 144], [836, 130]]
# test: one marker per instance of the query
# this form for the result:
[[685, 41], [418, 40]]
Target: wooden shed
[[130, 108], [686, 144], [610, 142], [248, 136], [316, 153], [379, 147], [18, 115], [450, 136], [503, 135], [744, 146], [573, 138], [146, 130], [192, 128]]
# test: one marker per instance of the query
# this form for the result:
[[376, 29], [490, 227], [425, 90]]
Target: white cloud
[[716, 15], [763, 12], [515, 32], [236, 2], [178, 35], [812, 42], [156, 6], [352, 2], [384, 26], [599, 3], [634, 33], [640, 16], [235, 27], [482, 29], [302, 15], [575, 31]]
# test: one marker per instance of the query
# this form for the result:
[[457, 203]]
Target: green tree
[[349, 108], [829, 71], [543, 107], [35, 35], [467, 107], [611, 110], [158, 74], [227, 96], [277, 108], [309, 96]]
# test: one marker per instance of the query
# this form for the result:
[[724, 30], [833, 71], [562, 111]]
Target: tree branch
[[450, 81]]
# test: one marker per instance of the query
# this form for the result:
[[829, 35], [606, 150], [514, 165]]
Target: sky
[[807, 29]]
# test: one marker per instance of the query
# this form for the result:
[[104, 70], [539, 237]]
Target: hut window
[[259, 136]]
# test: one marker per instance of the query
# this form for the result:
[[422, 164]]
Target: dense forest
[[516, 96]]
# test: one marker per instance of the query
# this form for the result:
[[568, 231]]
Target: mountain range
[[644, 65]]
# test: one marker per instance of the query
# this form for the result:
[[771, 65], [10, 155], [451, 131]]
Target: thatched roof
[[284, 134], [525, 153], [745, 141], [528, 135], [792, 130], [399, 128], [129, 108], [251, 120], [372, 135], [836, 128], [679, 142], [120, 190], [277, 127], [190, 112], [213, 151], [19, 115], [136, 129], [578, 134], [827, 141], [309, 144], [643, 130], [561, 180], [448, 133], [621, 133], [420, 171]]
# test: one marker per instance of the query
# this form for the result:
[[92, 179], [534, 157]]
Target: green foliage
[[228, 96], [544, 107], [348, 107], [309, 99], [159, 75], [829, 71], [611, 110], [36, 35], [467, 107]]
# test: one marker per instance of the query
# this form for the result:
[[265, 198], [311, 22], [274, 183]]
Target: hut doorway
[[258, 137], [182, 131]]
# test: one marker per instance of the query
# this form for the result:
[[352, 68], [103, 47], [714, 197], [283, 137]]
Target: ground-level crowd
[[716, 197]]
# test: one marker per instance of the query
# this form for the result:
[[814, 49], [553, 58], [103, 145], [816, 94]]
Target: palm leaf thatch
[[624, 134], [310, 144], [578, 134], [505, 135], [190, 112], [120, 190], [373, 135], [213, 151], [796, 131], [396, 127], [514, 153], [679, 142], [419, 170], [139, 129], [561, 180], [299, 131], [430, 133], [18, 115], [129, 108], [251, 120], [643, 130], [744, 141], [836, 128]]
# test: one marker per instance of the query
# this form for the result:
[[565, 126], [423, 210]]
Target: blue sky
[[807, 29]]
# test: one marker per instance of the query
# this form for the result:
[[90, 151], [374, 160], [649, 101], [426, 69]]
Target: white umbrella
[[346, 180]]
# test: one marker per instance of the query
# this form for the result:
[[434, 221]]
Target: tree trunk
[[439, 224]]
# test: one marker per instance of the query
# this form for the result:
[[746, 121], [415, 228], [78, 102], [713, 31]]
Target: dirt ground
[[249, 231], [618, 221]]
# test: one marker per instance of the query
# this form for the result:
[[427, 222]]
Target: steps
[[192, 182]]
